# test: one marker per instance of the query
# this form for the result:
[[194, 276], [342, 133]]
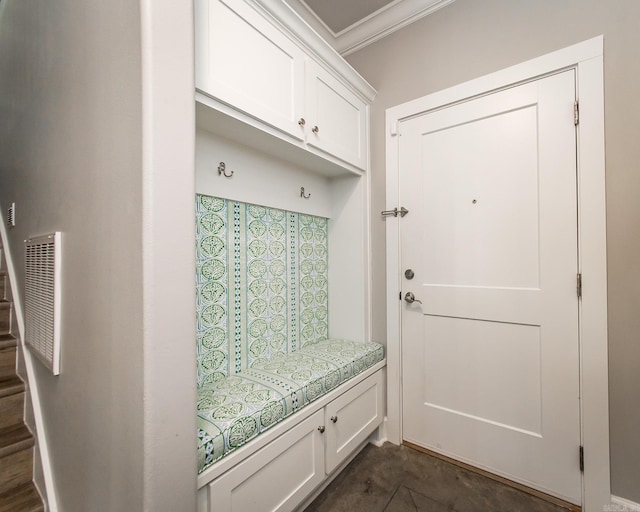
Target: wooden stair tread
[[8, 341], [21, 499], [11, 386], [15, 438]]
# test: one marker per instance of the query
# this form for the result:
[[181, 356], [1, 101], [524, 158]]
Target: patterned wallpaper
[[261, 284]]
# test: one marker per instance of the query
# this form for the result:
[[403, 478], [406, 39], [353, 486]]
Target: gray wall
[[471, 38], [77, 156]]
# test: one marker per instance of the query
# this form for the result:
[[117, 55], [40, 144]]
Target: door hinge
[[400, 295], [579, 285], [582, 459], [576, 113], [395, 212]]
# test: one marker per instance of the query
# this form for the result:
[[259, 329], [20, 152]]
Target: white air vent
[[42, 299]]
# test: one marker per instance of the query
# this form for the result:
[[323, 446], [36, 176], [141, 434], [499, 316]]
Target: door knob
[[321, 429], [411, 298]]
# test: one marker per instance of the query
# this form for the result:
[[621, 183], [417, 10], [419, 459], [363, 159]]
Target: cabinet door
[[351, 418], [244, 61], [336, 117], [276, 478]]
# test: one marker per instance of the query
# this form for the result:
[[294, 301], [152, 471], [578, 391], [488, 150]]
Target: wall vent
[[42, 299]]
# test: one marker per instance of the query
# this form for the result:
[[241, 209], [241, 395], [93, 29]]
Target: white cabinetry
[[247, 63], [337, 117], [254, 68], [351, 418], [279, 476]]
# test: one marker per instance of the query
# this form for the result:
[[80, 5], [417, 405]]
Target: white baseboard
[[379, 437], [622, 505]]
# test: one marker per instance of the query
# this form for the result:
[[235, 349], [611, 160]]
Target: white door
[[490, 358]]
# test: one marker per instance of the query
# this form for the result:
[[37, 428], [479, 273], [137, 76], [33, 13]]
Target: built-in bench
[[234, 410], [265, 363]]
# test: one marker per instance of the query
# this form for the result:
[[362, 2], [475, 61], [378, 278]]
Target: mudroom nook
[[290, 385]]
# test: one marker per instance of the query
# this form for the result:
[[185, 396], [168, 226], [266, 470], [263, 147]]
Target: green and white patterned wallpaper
[[261, 284]]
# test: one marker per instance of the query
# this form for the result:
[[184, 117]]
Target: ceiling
[[349, 25]]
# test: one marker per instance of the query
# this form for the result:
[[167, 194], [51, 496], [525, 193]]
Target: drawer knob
[[315, 129], [321, 429], [301, 121], [334, 419]]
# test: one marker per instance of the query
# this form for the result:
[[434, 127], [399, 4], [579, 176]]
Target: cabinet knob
[[334, 419], [301, 121], [315, 129], [321, 429]]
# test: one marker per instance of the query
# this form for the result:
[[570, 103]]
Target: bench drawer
[[276, 478]]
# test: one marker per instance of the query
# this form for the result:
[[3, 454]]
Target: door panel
[[490, 357], [463, 375]]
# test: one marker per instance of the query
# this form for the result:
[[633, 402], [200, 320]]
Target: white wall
[[76, 155], [471, 38]]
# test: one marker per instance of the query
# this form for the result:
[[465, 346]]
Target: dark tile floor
[[400, 479]]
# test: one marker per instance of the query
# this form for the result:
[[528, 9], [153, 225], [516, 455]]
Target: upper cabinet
[[258, 63], [246, 62], [338, 117]]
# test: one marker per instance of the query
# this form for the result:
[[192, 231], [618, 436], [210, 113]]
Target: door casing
[[587, 59]]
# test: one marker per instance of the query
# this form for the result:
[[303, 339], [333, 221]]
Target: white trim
[[622, 505], [381, 23], [168, 256], [51, 503], [587, 58]]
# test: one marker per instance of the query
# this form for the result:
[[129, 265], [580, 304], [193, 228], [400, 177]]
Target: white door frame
[[587, 59]]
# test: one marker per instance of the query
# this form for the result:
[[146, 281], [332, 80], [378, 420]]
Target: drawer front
[[351, 418], [276, 478]]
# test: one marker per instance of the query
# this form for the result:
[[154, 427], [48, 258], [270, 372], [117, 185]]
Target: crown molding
[[385, 21]]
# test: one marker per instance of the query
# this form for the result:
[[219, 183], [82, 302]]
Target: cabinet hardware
[[321, 429], [301, 121], [302, 194], [315, 129], [222, 170], [334, 419]]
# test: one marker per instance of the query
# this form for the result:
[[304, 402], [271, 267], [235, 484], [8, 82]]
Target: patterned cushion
[[235, 409]]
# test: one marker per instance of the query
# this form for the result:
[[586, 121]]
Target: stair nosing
[[15, 438], [8, 341], [11, 386], [30, 491]]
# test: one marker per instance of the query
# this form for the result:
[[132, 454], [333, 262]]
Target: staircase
[[17, 492]]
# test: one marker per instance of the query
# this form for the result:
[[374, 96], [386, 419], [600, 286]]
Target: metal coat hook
[[302, 194], [222, 169]]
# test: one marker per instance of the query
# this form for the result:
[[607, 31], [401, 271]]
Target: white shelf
[[220, 119]]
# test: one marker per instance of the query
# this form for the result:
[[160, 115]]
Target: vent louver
[[42, 299]]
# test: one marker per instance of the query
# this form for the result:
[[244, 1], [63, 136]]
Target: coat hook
[[222, 169], [302, 194]]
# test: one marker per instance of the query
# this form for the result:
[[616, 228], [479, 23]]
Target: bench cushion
[[235, 409]]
